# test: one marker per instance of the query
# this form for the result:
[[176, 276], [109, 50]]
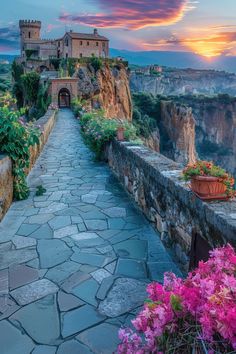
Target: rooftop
[[95, 36]]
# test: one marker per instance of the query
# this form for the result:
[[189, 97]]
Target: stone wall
[[46, 124], [154, 182]]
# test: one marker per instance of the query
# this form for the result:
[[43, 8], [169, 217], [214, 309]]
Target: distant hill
[[176, 59], [10, 58]]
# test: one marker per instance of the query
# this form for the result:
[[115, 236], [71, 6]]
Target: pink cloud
[[131, 14]]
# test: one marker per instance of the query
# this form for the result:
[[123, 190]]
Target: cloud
[[9, 38], [208, 45], [132, 14]]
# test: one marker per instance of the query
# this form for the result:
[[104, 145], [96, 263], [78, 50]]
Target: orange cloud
[[132, 14], [206, 45]]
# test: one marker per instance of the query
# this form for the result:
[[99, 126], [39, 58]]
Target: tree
[[17, 71], [30, 83]]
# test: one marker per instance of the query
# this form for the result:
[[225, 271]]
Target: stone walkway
[[74, 263]]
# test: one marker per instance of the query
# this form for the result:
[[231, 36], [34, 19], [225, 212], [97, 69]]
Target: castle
[[71, 45]]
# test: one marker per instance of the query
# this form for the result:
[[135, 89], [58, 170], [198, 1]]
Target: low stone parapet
[[46, 124], [189, 225]]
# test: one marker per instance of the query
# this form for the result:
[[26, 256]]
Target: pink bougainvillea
[[180, 313]]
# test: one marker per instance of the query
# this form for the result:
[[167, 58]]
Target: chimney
[[71, 31], [95, 32]]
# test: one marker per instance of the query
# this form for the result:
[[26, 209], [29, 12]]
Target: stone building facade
[[71, 45]]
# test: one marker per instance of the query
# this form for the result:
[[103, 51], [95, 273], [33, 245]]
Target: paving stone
[[87, 291], [67, 212], [13, 341], [89, 198], [73, 347], [121, 299], [105, 287], [54, 207], [131, 268], [76, 219], [111, 267], [66, 231], [68, 302], [44, 232], [62, 271], [80, 319], [74, 280], [9, 226], [27, 229], [44, 349], [7, 306], [23, 242], [94, 338], [100, 274], [85, 236], [94, 225], [116, 224], [39, 219], [115, 212], [20, 275], [88, 242], [131, 249], [16, 257], [157, 270], [33, 291], [40, 320], [52, 252], [4, 282], [59, 221], [91, 259]]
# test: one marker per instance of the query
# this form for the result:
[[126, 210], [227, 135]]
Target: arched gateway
[[63, 91], [64, 98]]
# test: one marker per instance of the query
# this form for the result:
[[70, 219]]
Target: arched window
[[29, 34]]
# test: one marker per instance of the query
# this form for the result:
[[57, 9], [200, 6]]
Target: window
[[97, 44], [87, 43], [66, 42], [59, 44], [29, 34], [81, 55], [66, 55], [81, 42]]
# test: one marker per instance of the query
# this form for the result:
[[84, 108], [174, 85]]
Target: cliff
[[177, 130], [184, 81], [108, 88]]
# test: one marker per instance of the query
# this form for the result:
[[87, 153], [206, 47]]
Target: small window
[[97, 44], [81, 42], [59, 44], [66, 55], [66, 42], [87, 43], [81, 55], [29, 34]]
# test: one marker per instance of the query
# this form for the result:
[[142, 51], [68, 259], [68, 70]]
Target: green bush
[[16, 137], [30, 83], [96, 63], [97, 131]]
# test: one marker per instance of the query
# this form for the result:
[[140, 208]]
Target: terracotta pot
[[207, 187], [120, 134]]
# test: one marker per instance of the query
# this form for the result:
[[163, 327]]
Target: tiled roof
[[76, 35]]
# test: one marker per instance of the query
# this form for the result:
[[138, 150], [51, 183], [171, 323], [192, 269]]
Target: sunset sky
[[205, 27]]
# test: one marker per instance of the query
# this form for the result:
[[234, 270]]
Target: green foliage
[[55, 62], [71, 66], [15, 140], [17, 72], [77, 106], [97, 131], [43, 101], [40, 190], [30, 83], [96, 63], [29, 53]]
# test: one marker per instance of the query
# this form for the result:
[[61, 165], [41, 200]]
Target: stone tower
[[29, 31]]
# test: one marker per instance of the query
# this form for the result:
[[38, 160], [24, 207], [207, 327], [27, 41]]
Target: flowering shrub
[[206, 168], [53, 106], [16, 137], [181, 313], [98, 130]]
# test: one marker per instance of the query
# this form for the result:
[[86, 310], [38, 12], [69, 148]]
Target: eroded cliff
[[108, 88]]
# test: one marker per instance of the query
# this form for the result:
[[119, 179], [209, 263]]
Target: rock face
[[215, 119], [177, 128], [6, 184], [108, 89], [184, 81]]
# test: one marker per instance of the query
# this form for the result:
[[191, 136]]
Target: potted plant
[[120, 133], [208, 181]]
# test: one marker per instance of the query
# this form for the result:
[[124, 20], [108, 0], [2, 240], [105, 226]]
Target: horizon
[[200, 27]]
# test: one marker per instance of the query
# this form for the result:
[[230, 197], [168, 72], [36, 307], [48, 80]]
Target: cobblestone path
[[74, 263]]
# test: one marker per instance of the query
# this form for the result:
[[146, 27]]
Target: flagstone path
[[74, 263]]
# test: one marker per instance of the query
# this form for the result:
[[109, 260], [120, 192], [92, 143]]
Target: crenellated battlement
[[30, 23]]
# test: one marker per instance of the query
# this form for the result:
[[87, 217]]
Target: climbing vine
[[16, 137]]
